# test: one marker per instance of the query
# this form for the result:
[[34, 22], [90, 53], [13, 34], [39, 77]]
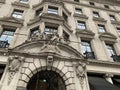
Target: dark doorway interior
[[46, 80]]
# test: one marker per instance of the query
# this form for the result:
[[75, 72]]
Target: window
[[106, 6], [81, 25], [53, 10], [118, 30], [50, 30], [65, 36], [24, 1], [35, 32], [78, 11], [6, 37], [110, 49], [39, 12], [17, 14], [76, 0], [101, 28], [87, 50], [96, 14], [92, 3], [112, 18]]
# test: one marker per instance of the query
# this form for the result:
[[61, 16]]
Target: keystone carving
[[80, 72]]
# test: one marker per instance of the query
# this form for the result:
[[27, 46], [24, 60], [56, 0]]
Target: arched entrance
[[46, 80]]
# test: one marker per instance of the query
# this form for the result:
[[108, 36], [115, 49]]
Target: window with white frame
[[110, 49], [96, 14], [53, 10], [81, 25], [78, 11], [101, 28], [17, 13]]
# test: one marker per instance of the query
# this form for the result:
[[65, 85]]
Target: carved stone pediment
[[107, 37], [85, 34], [11, 21], [41, 48]]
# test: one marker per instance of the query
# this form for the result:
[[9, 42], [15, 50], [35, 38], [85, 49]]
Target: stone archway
[[46, 80]]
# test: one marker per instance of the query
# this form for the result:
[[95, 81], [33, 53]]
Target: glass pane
[[3, 37], [9, 39]]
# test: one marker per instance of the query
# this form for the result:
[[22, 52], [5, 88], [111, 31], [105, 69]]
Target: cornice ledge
[[2, 1], [85, 33], [99, 19], [11, 21], [80, 16], [16, 3], [104, 63], [115, 22], [32, 21], [67, 26], [81, 4]]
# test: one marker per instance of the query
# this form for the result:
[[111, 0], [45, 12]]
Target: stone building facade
[[60, 45]]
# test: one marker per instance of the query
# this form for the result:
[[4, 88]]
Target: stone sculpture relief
[[80, 72], [14, 63]]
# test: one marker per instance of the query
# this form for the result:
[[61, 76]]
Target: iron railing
[[89, 55], [116, 58], [4, 44]]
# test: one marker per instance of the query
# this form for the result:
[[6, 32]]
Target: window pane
[[53, 10], [81, 25], [101, 28], [110, 50], [17, 14], [78, 11]]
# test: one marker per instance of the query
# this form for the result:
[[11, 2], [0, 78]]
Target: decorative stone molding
[[14, 63], [85, 34], [108, 37], [2, 1], [18, 4], [115, 22], [99, 19], [11, 21], [80, 69], [49, 60], [80, 16]]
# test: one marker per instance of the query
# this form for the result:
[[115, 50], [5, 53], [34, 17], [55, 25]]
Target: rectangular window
[[118, 30], [24, 1], [106, 6], [78, 11], [87, 50], [81, 25], [92, 3], [101, 28], [50, 30], [17, 14], [110, 49], [6, 37], [112, 18], [96, 14], [53, 10], [39, 12]]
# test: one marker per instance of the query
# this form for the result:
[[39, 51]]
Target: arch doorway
[[46, 80]]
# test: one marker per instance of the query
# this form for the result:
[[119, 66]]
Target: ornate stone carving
[[14, 63], [109, 75], [80, 72], [49, 60]]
